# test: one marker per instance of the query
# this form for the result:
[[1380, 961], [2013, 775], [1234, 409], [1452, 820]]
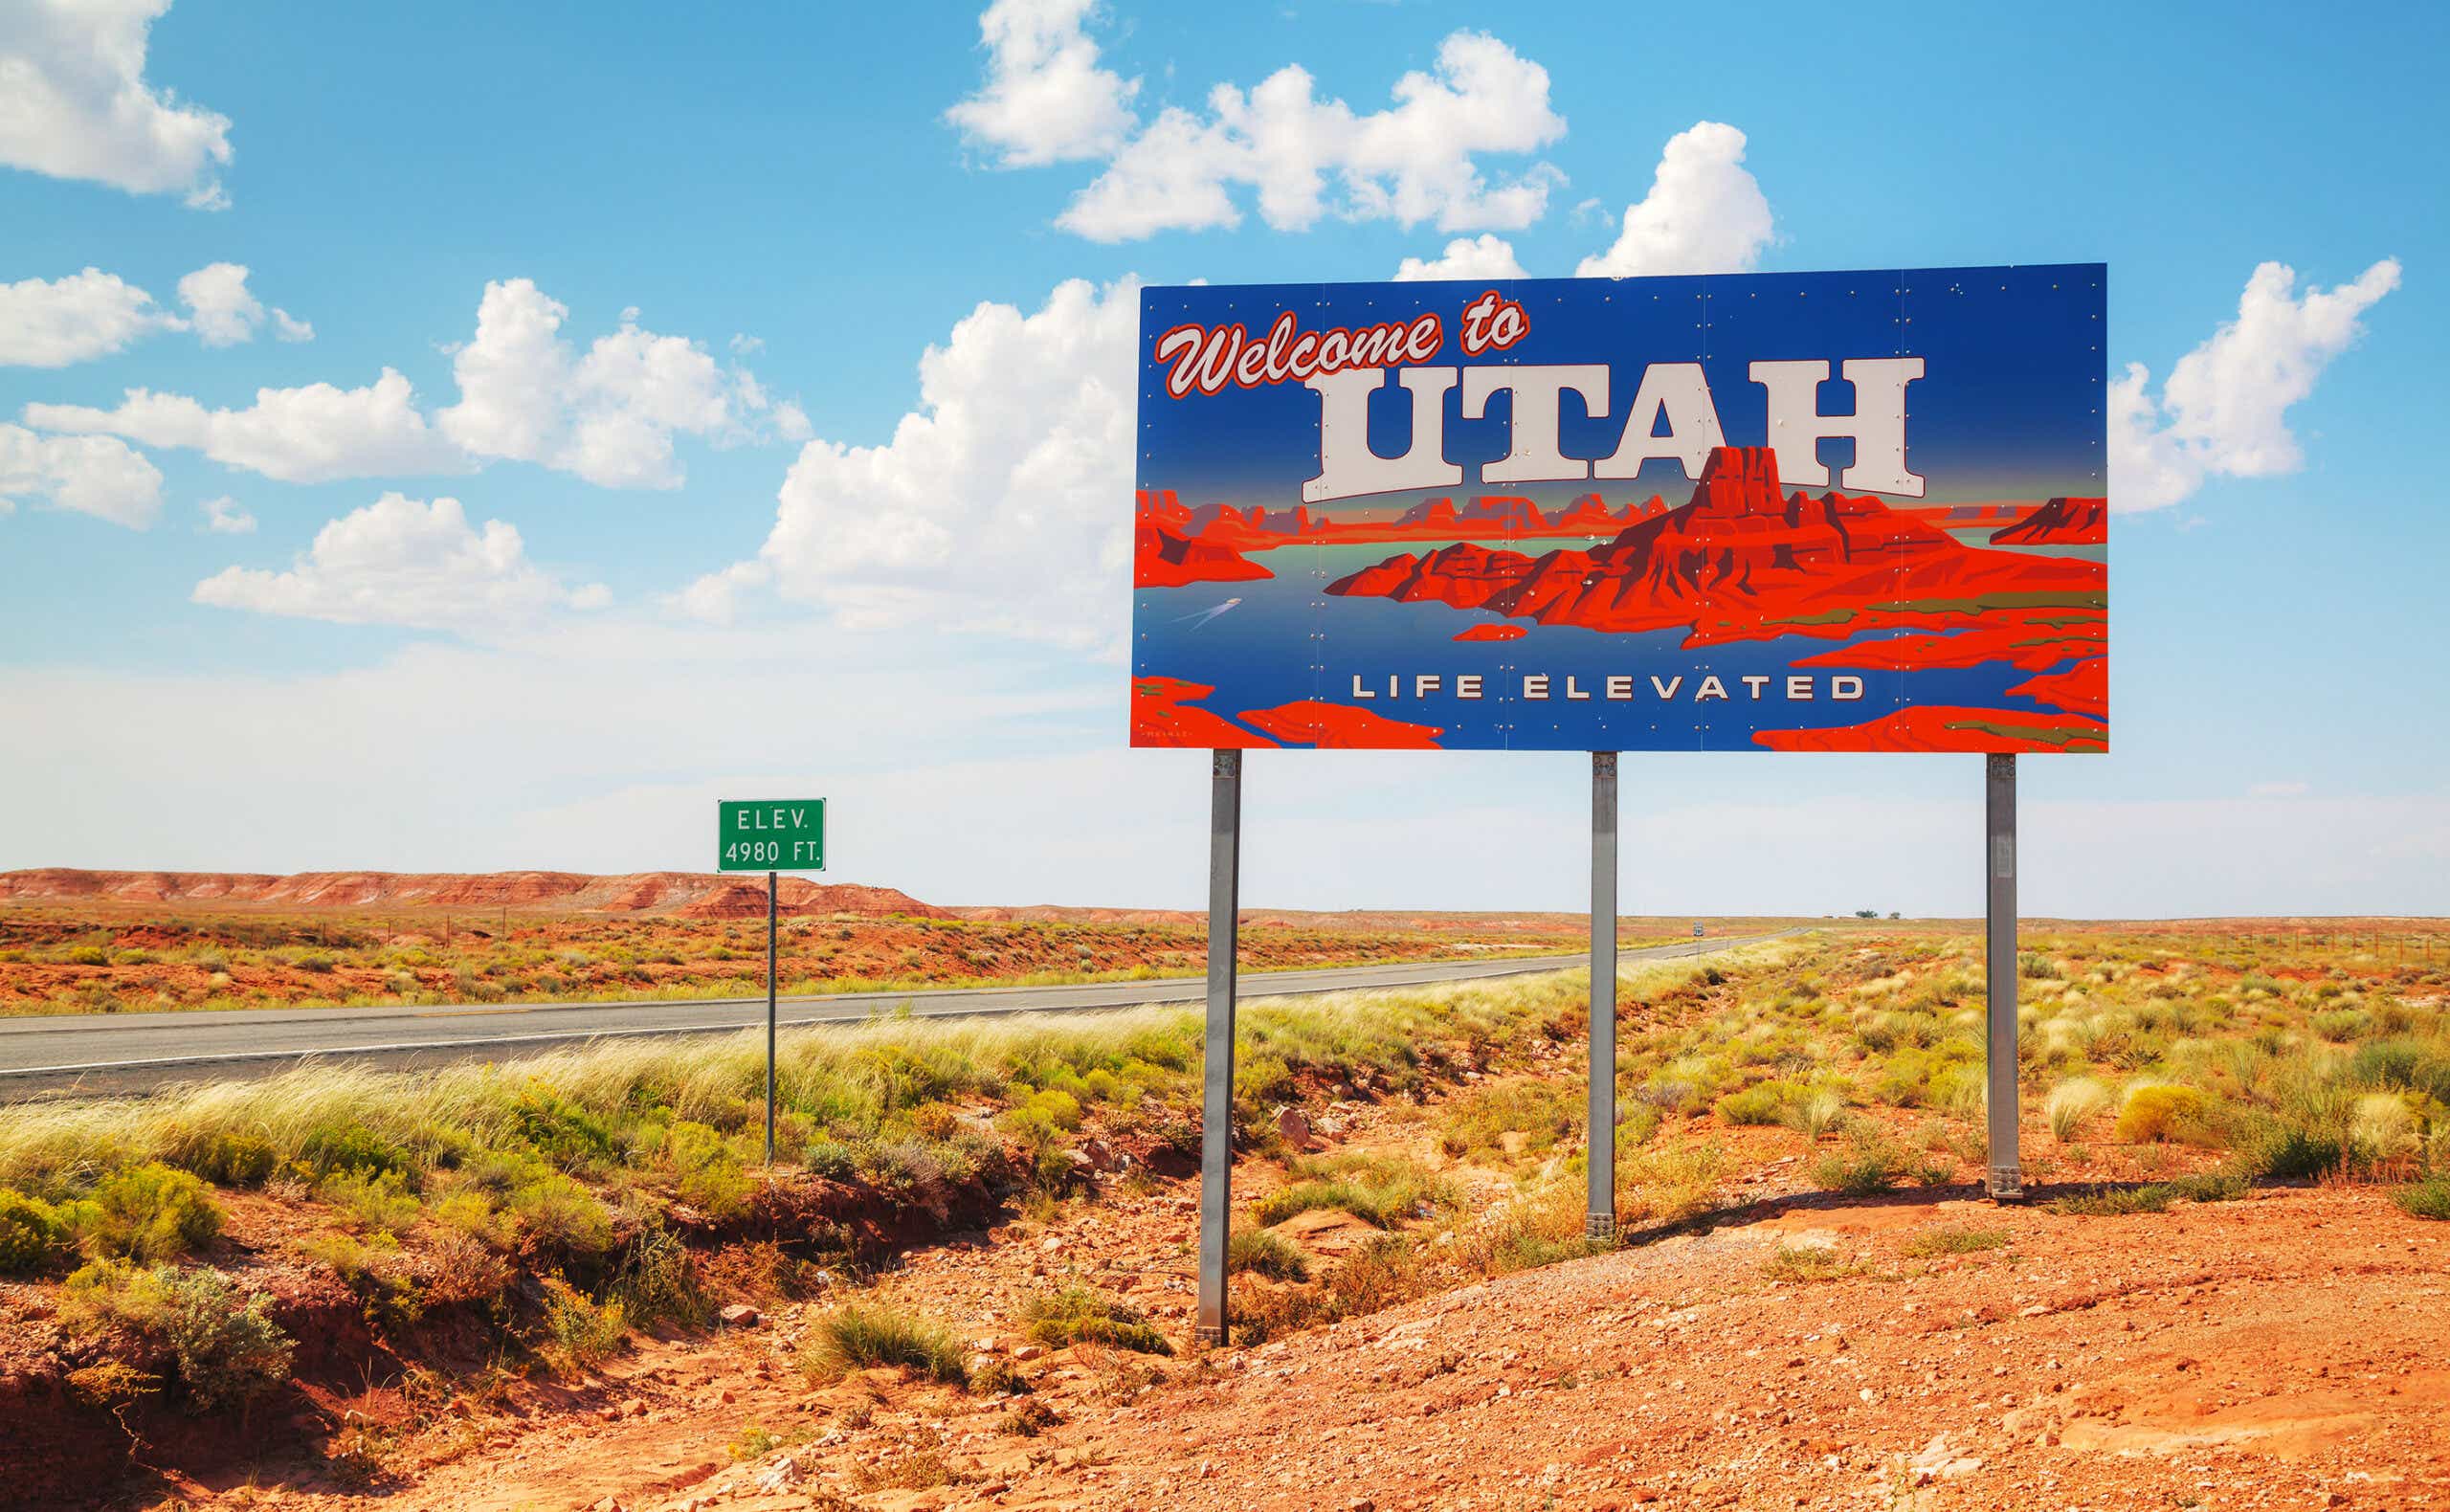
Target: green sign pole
[[771, 837], [773, 888]]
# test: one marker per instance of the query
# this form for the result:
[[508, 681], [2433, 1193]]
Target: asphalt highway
[[87, 1054]]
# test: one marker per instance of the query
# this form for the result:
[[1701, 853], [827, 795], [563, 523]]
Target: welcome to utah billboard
[[1846, 511]]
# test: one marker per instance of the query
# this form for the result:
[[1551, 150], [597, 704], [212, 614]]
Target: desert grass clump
[[1539, 1227], [2074, 1103], [1380, 1191], [1811, 1262], [1079, 1315], [1260, 1253], [1954, 1240], [1541, 1113], [2384, 1129], [2152, 1197], [862, 1335]]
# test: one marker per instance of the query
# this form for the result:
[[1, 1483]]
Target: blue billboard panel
[[1850, 511]]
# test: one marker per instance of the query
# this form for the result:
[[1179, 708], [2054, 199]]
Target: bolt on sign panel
[[1829, 511]]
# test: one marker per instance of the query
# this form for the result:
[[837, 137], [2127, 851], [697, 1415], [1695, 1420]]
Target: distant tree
[[1868, 913], [1892, 913]]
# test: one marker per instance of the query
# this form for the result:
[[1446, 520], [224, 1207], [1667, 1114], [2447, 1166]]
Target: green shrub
[[374, 1201], [148, 1213], [709, 1174], [1079, 1315], [351, 1147], [564, 1132], [2157, 1111], [232, 1159], [1264, 1253], [2425, 1199], [1811, 1262], [227, 1349], [1758, 1106], [33, 1233], [862, 1335], [588, 1332], [2296, 1153], [555, 1215]]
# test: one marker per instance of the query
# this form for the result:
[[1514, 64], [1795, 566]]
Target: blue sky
[[744, 543]]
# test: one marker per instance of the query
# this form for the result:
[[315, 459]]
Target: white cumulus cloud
[[608, 415], [54, 322], [2223, 409], [1705, 212], [994, 507], [92, 474], [1486, 256], [309, 434], [1301, 157], [1045, 100], [405, 561], [223, 312], [74, 105], [223, 517]]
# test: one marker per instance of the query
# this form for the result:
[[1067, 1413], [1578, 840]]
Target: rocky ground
[[2290, 1349]]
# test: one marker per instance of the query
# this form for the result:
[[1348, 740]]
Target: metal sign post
[[1600, 1223], [773, 892], [1999, 969], [768, 837], [1216, 1094]]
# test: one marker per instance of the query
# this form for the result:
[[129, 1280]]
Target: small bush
[[33, 1233], [1264, 1253], [709, 1174], [227, 1349], [1079, 1315], [375, 1201], [351, 1147], [1872, 1165], [588, 1332], [2425, 1199], [862, 1335], [1757, 1105], [2296, 1154], [148, 1213], [556, 1215], [2157, 1111], [232, 1160]]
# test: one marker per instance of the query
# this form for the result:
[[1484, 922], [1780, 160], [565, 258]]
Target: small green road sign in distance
[[774, 837]]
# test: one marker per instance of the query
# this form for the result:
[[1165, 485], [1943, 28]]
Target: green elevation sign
[[775, 836]]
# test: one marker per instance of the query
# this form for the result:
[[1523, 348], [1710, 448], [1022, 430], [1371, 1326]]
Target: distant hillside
[[691, 895]]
